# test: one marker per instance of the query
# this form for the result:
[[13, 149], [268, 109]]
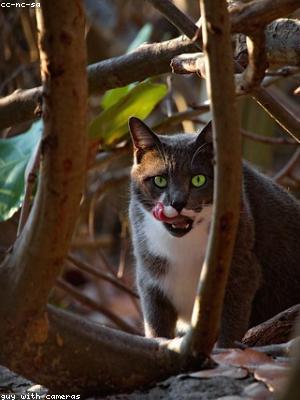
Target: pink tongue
[[158, 213]]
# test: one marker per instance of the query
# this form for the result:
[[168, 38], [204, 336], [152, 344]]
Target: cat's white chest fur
[[185, 256]]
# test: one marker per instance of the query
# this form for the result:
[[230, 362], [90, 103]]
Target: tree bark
[[28, 273], [228, 174]]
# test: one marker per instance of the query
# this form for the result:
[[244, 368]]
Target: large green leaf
[[111, 124], [113, 95], [15, 154]]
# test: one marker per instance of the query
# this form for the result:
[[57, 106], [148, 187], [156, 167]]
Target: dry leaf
[[257, 391], [273, 375], [247, 358], [222, 370], [232, 398]]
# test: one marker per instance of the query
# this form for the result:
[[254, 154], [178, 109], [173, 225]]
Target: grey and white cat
[[177, 172]]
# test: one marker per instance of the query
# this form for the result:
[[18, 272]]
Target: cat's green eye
[[198, 180], [160, 181]]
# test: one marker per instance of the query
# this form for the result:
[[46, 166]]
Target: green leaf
[[112, 96], [111, 124], [15, 154]]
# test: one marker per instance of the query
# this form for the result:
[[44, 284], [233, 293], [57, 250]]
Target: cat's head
[[175, 171]]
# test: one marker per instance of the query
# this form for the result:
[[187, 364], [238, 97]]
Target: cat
[[170, 213]]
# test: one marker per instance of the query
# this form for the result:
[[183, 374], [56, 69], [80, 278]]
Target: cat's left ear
[[143, 138]]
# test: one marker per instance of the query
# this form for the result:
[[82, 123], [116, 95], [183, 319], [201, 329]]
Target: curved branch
[[36, 259], [116, 361], [254, 73], [282, 44], [247, 18], [20, 106]]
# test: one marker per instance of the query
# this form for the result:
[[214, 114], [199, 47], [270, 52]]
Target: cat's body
[[264, 277]]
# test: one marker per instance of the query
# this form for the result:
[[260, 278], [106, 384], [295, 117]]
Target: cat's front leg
[[243, 283], [160, 316]]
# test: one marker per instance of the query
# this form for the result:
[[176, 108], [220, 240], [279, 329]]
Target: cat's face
[[175, 171]]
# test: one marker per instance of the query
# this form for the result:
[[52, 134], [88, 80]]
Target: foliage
[[15, 153], [118, 105], [136, 99], [111, 124]]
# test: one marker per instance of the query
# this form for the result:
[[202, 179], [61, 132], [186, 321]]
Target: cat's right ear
[[206, 134], [143, 138]]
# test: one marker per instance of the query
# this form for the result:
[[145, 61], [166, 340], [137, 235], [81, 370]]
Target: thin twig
[[77, 295], [113, 279], [177, 118], [287, 169], [266, 139], [101, 275], [123, 251], [283, 72], [273, 104], [104, 158], [104, 240], [177, 18]]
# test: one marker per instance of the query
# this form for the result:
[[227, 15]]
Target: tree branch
[[270, 100], [262, 9], [282, 44], [228, 173], [247, 18], [178, 19], [20, 106], [150, 60], [288, 167], [92, 304], [116, 361], [254, 73], [267, 139], [102, 275]]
